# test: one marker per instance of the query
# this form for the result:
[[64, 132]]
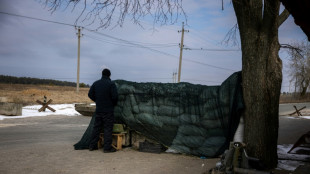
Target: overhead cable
[[188, 60], [115, 38], [209, 49], [128, 45], [61, 23], [131, 43]]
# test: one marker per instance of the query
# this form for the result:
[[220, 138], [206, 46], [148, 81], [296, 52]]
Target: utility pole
[[174, 77], [78, 61], [181, 51]]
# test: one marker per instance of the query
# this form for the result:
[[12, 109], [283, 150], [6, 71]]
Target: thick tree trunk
[[261, 89], [261, 76]]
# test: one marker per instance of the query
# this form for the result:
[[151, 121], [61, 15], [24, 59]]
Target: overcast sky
[[35, 48]]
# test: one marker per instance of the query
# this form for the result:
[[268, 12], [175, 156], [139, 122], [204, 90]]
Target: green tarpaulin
[[193, 119]]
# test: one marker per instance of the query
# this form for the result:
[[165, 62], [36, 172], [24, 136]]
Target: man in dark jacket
[[104, 93]]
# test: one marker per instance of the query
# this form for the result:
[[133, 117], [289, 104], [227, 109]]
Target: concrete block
[[85, 109], [10, 109]]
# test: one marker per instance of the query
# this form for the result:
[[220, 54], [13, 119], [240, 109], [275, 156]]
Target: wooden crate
[[117, 140]]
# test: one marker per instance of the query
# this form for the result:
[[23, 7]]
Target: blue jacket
[[104, 93]]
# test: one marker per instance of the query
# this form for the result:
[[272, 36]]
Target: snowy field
[[32, 111], [294, 160]]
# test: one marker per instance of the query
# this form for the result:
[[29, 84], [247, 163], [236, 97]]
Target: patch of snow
[[297, 117], [290, 161], [288, 164], [170, 150], [32, 111]]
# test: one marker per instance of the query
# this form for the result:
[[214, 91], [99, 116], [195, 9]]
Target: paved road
[[285, 109], [291, 129], [45, 145]]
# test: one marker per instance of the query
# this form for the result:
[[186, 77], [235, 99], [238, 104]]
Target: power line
[[115, 38], [38, 19], [127, 45], [131, 43], [193, 61], [144, 43], [106, 41], [202, 38], [61, 23], [188, 60], [168, 53], [138, 45], [155, 44], [141, 46], [209, 49]]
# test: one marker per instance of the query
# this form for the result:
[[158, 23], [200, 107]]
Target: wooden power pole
[[181, 52], [78, 62]]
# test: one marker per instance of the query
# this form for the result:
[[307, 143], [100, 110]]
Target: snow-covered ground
[[290, 161], [293, 160], [298, 117], [68, 109], [32, 111]]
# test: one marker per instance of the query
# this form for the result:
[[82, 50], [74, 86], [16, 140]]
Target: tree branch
[[231, 36], [283, 16], [298, 50], [107, 12]]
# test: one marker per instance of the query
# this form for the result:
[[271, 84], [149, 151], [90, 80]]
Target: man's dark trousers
[[105, 120]]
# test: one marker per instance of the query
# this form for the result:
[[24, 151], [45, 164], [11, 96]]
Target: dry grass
[[291, 98], [28, 94]]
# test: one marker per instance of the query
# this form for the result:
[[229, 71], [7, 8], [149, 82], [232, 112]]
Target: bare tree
[[114, 12], [258, 22], [299, 66]]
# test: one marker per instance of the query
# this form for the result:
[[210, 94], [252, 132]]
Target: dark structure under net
[[193, 119]]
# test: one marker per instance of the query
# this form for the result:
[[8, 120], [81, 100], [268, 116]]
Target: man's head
[[106, 72]]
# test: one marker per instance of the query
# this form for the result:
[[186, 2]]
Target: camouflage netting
[[193, 119]]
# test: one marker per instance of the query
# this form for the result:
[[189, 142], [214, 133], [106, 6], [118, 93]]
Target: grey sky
[[33, 48]]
